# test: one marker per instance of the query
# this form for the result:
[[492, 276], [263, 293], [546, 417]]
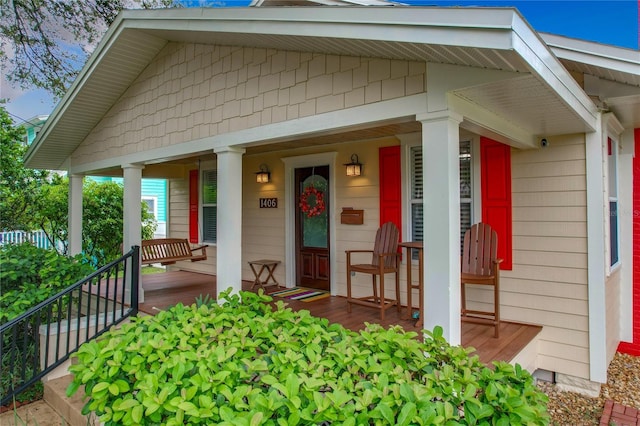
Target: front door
[[312, 227]]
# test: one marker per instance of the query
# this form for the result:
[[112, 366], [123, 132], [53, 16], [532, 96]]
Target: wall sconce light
[[354, 168], [263, 175]]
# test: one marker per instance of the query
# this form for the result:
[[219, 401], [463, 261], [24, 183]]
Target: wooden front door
[[312, 227]]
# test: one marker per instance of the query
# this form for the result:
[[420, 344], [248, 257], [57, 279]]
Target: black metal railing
[[41, 339]]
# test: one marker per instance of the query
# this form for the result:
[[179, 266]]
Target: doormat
[[302, 294]]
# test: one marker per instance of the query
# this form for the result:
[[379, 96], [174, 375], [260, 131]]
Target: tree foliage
[[102, 218], [18, 185], [38, 200], [44, 43]]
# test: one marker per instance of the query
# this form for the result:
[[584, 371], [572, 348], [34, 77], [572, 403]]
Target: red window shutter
[[390, 186], [495, 177], [193, 206]]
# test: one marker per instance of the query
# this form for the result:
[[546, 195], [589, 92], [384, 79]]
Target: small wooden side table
[[419, 246], [265, 265]]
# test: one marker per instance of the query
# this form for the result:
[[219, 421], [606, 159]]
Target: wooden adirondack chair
[[481, 266], [385, 260]]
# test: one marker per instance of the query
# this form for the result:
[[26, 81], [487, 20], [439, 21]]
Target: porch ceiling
[[494, 39], [336, 137]]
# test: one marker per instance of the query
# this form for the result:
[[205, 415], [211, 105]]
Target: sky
[[613, 22]]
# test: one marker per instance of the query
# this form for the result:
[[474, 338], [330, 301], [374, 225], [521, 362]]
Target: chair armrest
[[354, 251], [496, 266], [203, 248]]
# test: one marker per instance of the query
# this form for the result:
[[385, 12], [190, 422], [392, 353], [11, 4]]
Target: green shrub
[[248, 363], [30, 275]]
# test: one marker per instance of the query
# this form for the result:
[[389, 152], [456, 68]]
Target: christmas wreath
[[314, 195]]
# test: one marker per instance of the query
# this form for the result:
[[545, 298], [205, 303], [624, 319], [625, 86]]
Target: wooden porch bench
[[167, 251]]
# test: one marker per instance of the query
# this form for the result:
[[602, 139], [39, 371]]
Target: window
[[612, 163], [209, 205], [152, 205], [417, 217], [466, 191]]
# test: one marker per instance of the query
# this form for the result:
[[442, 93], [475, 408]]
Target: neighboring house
[[32, 127], [154, 194], [457, 115], [154, 191]]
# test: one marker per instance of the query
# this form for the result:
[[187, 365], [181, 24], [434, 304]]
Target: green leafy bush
[[30, 275], [250, 363]]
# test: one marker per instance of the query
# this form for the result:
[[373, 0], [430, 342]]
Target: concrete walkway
[[37, 413]]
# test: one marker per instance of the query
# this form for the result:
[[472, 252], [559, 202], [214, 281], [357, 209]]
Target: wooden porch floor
[[166, 289]]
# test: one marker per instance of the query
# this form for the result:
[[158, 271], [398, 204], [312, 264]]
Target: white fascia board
[[70, 94], [596, 54], [549, 70], [387, 112], [479, 28], [108, 40], [502, 29]]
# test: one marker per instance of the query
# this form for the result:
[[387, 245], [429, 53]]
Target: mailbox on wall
[[351, 216]]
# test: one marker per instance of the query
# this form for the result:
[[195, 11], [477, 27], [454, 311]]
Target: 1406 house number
[[268, 203]]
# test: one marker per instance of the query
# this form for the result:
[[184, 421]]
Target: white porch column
[[441, 203], [75, 214], [597, 208], [132, 223], [229, 220]]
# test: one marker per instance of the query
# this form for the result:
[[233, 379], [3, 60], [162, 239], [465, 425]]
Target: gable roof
[[479, 38], [614, 72]]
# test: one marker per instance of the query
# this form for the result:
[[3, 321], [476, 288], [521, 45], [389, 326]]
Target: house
[[456, 115], [154, 191], [32, 127], [154, 194]]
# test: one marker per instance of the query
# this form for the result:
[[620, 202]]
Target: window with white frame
[[612, 164], [415, 198], [209, 206], [416, 191], [152, 205]]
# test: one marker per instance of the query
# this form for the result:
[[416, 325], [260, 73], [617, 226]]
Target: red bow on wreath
[[317, 197]]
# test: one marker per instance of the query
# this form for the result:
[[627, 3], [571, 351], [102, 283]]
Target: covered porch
[[163, 290]]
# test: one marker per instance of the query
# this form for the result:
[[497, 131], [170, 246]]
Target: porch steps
[[70, 409]]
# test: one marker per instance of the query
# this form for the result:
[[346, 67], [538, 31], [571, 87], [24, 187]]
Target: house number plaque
[[268, 203]]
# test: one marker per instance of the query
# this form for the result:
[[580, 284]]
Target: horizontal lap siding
[[178, 226], [548, 283], [361, 192], [612, 295], [263, 232]]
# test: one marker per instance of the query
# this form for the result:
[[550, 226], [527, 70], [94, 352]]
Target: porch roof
[[617, 68], [540, 96]]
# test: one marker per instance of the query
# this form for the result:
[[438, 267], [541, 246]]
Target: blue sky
[[612, 22]]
